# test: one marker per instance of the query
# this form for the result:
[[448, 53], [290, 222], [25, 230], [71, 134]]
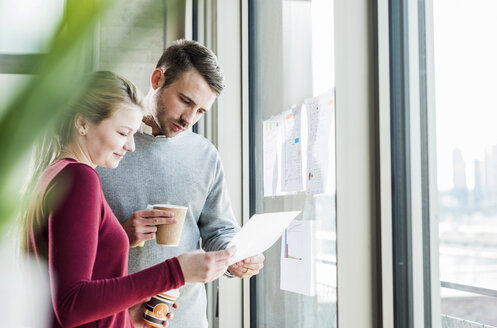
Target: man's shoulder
[[197, 140]]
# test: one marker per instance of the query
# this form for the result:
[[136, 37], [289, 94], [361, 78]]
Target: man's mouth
[[177, 127]]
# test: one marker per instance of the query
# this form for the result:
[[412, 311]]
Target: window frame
[[414, 193]]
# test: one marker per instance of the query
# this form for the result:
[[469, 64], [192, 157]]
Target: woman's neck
[[75, 152]]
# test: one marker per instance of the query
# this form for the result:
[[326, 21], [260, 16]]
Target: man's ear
[[157, 79], [81, 124]]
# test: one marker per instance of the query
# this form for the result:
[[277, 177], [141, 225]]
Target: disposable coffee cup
[[159, 306], [170, 234]]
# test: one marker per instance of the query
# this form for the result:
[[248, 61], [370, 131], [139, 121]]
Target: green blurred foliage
[[56, 80]]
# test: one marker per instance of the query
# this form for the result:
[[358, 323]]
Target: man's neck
[[149, 120]]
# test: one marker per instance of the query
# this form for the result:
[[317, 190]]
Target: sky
[[465, 82]]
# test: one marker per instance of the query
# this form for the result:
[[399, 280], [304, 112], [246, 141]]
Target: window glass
[[27, 25], [466, 112], [9, 84], [294, 61]]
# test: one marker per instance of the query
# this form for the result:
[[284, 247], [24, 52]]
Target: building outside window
[[465, 73]]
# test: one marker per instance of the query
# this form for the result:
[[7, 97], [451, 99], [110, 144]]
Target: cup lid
[[173, 293]]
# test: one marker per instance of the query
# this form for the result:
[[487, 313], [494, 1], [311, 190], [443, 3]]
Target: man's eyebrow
[[189, 99]]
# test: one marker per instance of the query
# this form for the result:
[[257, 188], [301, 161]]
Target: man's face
[[182, 103]]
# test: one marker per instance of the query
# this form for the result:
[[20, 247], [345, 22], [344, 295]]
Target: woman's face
[[108, 141]]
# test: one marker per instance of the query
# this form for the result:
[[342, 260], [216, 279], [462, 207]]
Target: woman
[[72, 228]]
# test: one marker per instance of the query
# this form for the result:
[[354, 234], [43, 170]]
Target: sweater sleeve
[[73, 234], [217, 222]]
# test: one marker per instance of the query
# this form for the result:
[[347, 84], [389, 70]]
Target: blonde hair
[[104, 94]]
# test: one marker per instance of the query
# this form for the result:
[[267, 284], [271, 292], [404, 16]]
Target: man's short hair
[[184, 55]]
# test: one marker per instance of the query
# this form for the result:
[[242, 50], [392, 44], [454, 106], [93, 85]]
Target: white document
[[260, 233], [271, 132], [291, 159], [297, 272], [320, 146]]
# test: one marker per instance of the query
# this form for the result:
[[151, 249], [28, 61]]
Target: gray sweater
[[184, 170]]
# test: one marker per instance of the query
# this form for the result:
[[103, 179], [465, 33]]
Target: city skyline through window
[[466, 118]]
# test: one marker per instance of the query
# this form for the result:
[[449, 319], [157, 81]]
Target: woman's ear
[[81, 124]]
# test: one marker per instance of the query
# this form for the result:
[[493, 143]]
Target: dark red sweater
[[73, 229]]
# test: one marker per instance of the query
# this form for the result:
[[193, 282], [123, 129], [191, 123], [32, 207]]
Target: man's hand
[[248, 267], [200, 266], [142, 225]]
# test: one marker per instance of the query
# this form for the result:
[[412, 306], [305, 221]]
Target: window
[[465, 73], [292, 60], [444, 147], [26, 27]]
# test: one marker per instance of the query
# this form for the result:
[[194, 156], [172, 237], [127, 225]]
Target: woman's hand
[[200, 266], [136, 315]]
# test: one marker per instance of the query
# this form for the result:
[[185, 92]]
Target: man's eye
[[186, 101], [201, 111], [122, 133]]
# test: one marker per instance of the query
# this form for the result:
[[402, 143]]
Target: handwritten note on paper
[[291, 160], [320, 118], [270, 139], [297, 272]]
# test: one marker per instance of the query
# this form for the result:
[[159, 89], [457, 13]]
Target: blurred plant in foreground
[[38, 103], [35, 106]]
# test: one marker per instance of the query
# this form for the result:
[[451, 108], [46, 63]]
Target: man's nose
[[189, 116]]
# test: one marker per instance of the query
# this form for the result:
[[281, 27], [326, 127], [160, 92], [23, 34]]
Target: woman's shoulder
[[74, 171], [68, 179]]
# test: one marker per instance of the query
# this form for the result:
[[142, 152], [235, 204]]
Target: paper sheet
[[320, 114], [271, 131], [297, 272], [260, 233], [291, 160]]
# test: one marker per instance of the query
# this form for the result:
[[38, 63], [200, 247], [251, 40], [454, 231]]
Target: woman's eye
[[122, 133]]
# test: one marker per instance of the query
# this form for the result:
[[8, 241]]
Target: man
[[174, 166]]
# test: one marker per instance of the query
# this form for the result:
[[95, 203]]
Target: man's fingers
[[145, 223], [253, 267], [245, 271], [259, 258], [154, 213], [240, 273], [144, 230], [150, 236], [160, 220]]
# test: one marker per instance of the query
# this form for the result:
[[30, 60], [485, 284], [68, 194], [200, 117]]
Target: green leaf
[[57, 79]]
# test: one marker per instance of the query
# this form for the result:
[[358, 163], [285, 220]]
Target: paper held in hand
[[260, 233]]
